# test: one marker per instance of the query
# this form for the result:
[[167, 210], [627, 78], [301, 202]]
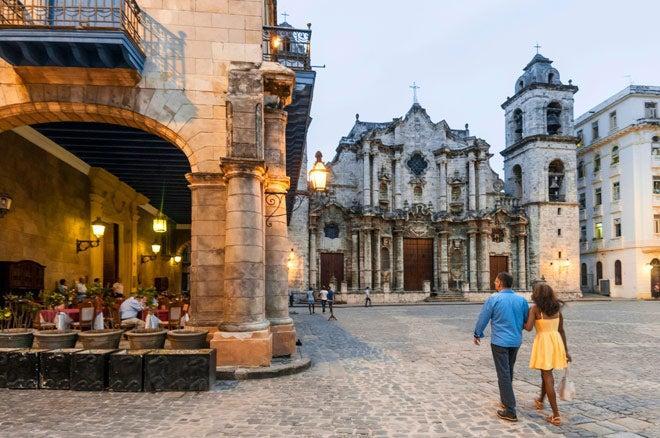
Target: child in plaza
[[367, 296], [310, 300], [549, 350]]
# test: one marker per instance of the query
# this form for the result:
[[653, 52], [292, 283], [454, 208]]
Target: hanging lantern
[[318, 176], [160, 224], [155, 247], [98, 228]]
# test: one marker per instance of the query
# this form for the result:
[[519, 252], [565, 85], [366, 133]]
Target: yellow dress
[[548, 350]]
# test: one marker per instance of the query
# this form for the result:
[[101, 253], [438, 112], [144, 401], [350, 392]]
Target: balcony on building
[[291, 48], [94, 42]]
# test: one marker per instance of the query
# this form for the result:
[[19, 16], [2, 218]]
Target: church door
[[332, 265], [417, 263], [497, 264]]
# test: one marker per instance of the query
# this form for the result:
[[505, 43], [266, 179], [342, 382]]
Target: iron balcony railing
[[117, 15], [288, 46]]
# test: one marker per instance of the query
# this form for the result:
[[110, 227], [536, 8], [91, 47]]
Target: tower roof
[[538, 58], [538, 71]]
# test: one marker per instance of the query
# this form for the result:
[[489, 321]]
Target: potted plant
[[100, 339], [54, 339], [188, 339], [145, 339], [16, 320]]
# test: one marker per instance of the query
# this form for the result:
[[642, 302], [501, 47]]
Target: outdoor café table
[[49, 314], [162, 314]]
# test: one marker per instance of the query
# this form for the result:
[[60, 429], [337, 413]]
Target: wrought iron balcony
[[288, 46], [71, 33]]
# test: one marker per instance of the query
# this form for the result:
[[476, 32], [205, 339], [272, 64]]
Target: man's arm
[[484, 316]]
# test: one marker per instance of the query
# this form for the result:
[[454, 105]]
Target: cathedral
[[415, 212]]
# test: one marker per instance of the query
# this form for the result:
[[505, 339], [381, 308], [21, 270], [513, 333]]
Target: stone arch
[[518, 120], [556, 176], [31, 113], [553, 118], [517, 181]]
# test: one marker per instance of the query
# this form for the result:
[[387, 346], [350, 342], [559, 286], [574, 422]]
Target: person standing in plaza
[[323, 294], [310, 300], [331, 300], [549, 350], [507, 313], [367, 296]]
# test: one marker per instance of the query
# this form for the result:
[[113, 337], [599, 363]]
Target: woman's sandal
[[555, 420], [538, 404]]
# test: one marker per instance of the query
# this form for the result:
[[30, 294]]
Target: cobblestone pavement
[[387, 371]]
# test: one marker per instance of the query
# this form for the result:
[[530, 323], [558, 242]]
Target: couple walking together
[[509, 314]]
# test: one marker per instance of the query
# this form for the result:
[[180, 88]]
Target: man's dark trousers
[[505, 359]]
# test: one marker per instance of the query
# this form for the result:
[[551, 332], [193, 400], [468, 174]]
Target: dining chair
[[86, 314], [174, 314]]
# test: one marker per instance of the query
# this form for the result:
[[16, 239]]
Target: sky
[[465, 56]]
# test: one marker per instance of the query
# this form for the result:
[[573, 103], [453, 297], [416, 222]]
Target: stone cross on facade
[[285, 15], [415, 88]]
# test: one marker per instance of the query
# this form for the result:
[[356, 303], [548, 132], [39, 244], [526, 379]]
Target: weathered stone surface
[[89, 370], [179, 370], [23, 370], [55, 368], [126, 370], [4, 365]]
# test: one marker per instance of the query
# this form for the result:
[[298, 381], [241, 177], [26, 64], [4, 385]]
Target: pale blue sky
[[465, 56]]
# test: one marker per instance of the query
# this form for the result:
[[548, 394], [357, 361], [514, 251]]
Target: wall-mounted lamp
[[155, 248], [318, 176], [177, 259], [98, 229], [5, 204]]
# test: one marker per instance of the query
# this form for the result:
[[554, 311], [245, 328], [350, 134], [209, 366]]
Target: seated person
[[129, 309], [62, 320], [81, 289], [118, 289]]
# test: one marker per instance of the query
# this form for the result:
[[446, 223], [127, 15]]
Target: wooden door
[[332, 265], [497, 264], [417, 263]]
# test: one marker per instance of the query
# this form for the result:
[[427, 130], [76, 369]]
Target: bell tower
[[540, 171]]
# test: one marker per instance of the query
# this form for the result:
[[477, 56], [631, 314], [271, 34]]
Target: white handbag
[[566, 387]]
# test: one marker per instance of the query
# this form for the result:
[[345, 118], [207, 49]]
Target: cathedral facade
[[414, 210]]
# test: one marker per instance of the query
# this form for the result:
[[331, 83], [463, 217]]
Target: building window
[[331, 231], [598, 230], [417, 164], [553, 118], [617, 227], [656, 184], [599, 272], [594, 131], [558, 231], [616, 191], [583, 233], [517, 124], [618, 278], [598, 197], [580, 169], [656, 223], [559, 211], [583, 200], [596, 163], [551, 77], [655, 146], [556, 181], [579, 137], [613, 121], [583, 274], [517, 179], [615, 156], [650, 110]]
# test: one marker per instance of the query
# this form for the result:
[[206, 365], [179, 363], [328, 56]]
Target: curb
[[275, 370]]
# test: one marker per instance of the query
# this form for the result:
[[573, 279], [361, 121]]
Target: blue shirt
[[331, 295], [130, 308], [507, 312]]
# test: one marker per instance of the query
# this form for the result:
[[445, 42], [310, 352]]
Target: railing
[[121, 15], [287, 46], [507, 202]]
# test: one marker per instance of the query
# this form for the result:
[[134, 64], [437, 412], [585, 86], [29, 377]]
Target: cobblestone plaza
[[387, 371]]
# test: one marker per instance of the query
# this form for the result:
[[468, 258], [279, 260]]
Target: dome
[[538, 71]]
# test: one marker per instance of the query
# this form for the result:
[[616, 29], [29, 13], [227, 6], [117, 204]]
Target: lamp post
[[98, 229]]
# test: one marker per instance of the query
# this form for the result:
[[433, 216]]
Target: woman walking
[[549, 350]]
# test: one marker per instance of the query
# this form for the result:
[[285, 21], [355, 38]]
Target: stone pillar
[[442, 166], [366, 256], [483, 177], [208, 300], [398, 183], [96, 256], [471, 183], [376, 259], [472, 236], [366, 178], [276, 239], [375, 187], [436, 264], [522, 261], [444, 266], [355, 273], [398, 269], [135, 257], [244, 337], [484, 259], [312, 257]]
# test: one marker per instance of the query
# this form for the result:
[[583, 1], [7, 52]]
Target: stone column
[[366, 178], [244, 337], [471, 183], [484, 259], [375, 187], [208, 299], [436, 264], [355, 273], [398, 183], [135, 257], [276, 239], [522, 261], [366, 266], [442, 166], [376, 259], [398, 269], [472, 236], [444, 266], [483, 177], [312, 257]]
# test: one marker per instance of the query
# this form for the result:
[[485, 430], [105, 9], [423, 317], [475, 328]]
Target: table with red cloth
[[162, 314], [48, 315]]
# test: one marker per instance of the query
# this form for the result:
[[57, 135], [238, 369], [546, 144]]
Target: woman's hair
[[545, 299]]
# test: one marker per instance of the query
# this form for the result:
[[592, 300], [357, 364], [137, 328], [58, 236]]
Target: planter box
[[126, 371], [23, 369], [89, 370], [55, 368], [179, 370], [4, 365]]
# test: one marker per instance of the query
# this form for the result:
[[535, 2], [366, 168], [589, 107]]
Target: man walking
[[367, 296], [331, 300], [323, 294], [507, 313], [310, 300]]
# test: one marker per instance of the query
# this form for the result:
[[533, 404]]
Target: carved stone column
[[436, 263], [472, 199], [444, 257], [376, 259], [483, 177], [312, 257], [472, 236], [244, 337], [484, 257], [366, 177], [522, 261], [375, 187], [398, 248], [208, 299], [398, 182], [366, 256], [355, 273], [442, 166]]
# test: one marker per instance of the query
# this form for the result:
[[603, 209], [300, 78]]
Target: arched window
[[553, 118], [517, 124], [618, 278], [517, 181], [599, 272], [556, 190], [551, 77], [583, 274], [615, 156]]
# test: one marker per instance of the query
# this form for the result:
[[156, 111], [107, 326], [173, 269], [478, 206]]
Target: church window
[[417, 193], [551, 77], [596, 163], [331, 231], [594, 131], [616, 191], [497, 235], [599, 272], [615, 156], [553, 118], [617, 227], [580, 169], [618, 277], [613, 125], [583, 274], [556, 181], [650, 110], [558, 231], [598, 196], [384, 259], [582, 197], [455, 194], [598, 230], [417, 164], [517, 179], [517, 124]]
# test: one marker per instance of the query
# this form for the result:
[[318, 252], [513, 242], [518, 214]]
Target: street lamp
[[318, 176], [155, 248], [98, 229]]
